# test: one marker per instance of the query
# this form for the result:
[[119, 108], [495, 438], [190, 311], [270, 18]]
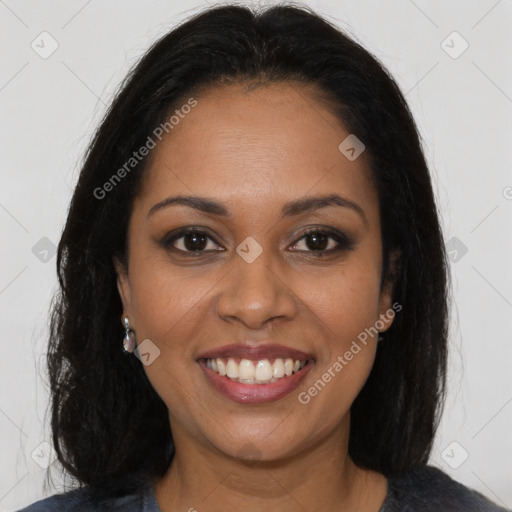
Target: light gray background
[[49, 107]]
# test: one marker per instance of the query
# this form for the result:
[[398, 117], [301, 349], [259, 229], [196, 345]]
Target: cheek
[[344, 301], [170, 308], [344, 310], [344, 313], [167, 302]]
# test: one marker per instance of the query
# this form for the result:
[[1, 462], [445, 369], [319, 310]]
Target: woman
[[255, 228]]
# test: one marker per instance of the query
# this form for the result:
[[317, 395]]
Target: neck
[[320, 478]]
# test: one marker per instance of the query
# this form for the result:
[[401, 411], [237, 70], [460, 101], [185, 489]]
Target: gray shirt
[[422, 489]]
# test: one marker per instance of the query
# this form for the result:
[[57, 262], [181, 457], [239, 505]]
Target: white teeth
[[263, 370], [221, 367], [278, 368], [232, 369], [246, 370], [255, 372], [288, 367]]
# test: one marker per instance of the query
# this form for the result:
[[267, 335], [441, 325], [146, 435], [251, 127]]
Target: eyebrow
[[290, 209]]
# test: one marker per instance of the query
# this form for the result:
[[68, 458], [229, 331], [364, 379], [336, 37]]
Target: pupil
[[319, 240], [192, 239]]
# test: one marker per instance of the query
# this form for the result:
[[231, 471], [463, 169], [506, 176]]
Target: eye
[[324, 241], [190, 240], [317, 241]]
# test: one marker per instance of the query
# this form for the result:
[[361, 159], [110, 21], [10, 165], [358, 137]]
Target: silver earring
[[129, 338]]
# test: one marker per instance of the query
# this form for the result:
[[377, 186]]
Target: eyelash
[[344, 242]]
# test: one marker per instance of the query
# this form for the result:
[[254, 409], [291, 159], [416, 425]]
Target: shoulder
[[80, 500], [65, 501], [428, 489]]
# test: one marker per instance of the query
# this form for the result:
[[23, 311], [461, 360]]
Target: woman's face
[[255, 277]]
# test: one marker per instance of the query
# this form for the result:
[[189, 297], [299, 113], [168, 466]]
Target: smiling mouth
[[262, 371]]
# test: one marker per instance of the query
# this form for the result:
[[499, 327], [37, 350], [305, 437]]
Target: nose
[[256, 293]]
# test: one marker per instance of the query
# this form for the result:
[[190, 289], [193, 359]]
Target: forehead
[[255, 145]]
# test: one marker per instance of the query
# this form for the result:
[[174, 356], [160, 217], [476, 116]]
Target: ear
[[386, 310], [123, 285]]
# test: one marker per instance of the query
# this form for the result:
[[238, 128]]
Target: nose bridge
[[254, 293]]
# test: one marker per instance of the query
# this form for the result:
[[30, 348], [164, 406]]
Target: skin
[[253, 152]]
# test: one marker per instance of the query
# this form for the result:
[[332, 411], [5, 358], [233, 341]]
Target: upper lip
[[246, 351]]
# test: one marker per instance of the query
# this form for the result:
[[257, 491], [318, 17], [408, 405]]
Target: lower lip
[[255, 393]]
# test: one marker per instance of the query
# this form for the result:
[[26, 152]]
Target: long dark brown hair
[[110, 428]]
